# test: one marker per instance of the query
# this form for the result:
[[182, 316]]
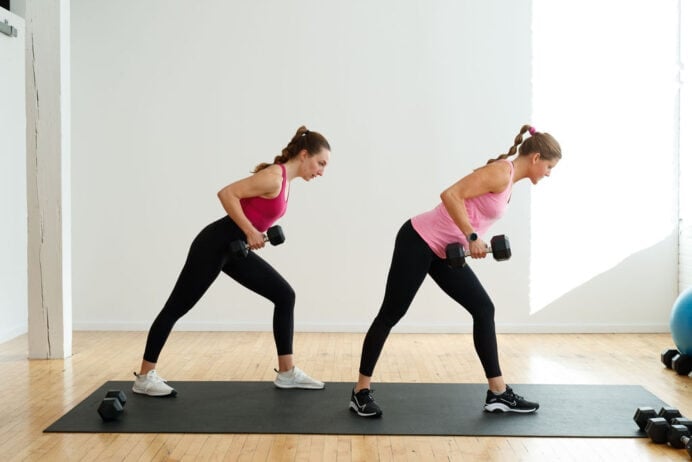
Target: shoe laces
[[154, 376], [510, 393], [366, 396], [299, 374]]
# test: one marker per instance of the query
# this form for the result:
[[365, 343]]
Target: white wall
[[13, 231], [685, 182], [172, 100]]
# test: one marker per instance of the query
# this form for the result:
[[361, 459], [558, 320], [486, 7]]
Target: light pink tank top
[[262, 212], [438, 229]]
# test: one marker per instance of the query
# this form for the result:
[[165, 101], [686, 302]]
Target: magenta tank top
[[438, 229], [262, 212]]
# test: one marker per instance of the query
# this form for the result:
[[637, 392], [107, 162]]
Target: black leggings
[[412, 260], [209, 255]]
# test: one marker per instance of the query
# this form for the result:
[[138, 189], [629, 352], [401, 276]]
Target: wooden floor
[[36, 393]]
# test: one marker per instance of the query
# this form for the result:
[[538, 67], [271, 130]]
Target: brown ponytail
[[542, 143], [311, 141]]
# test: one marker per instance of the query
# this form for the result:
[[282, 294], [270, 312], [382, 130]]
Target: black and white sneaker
[[508, 402], [364, 404]]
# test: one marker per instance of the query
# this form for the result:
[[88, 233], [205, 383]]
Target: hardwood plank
[[42, 390]]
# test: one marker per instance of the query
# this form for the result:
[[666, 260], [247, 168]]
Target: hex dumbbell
[[274, 236], [682, 364], [666, 413], [499, 246], [658, 428], [112, 406], [686, 444], [642, 416], [667, 357], [679, 436]]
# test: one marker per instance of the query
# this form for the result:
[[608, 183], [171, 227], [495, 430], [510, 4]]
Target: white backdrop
[[173, 100], [13, 231]]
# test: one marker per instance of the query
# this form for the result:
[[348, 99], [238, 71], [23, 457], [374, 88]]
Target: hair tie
[[532, 131]]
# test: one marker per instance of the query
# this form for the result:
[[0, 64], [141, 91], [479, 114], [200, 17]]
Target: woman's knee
[[387, 319], [290, 295], [285, 297], [484, 312]]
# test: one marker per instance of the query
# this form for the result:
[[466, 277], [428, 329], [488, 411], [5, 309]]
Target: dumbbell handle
[[266, 239], [686, 444], [488, 249]]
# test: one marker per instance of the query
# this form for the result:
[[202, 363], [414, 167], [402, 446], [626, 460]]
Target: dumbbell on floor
[[682, 364], [499, 246], [644, 414], [112, 406], [679, 437], [667, 357], [676, 434], [686, 444], [274, 236]]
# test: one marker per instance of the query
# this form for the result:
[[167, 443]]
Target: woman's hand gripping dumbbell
[[274, 236], [499, 246]]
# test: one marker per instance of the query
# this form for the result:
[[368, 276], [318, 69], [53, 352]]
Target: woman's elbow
[[446, 196]]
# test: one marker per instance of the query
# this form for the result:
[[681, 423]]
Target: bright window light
[[605, 84]]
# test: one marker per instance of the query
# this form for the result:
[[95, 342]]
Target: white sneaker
[[296, 378], [151, 384]]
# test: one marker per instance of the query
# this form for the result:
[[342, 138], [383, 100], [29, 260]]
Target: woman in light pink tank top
[[467, 209], [252, 205]]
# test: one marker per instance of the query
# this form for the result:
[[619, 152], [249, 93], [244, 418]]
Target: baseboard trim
[[403, 328]]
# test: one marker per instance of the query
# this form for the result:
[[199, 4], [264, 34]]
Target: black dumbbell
[[685, 443], [112, 406], [275, 236], [667, 357], [499, 246], [669, 414], [642, 416], [682, 421], [676, 435], [657, 428], [682, 364]]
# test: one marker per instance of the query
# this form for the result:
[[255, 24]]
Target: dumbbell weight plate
[[455, 255], [501, 248], [682, 364], [110, 409], [275, 235], [667, 357], [642, 416]]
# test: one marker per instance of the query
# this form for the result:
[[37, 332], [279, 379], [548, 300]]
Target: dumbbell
[[686, 444], [682, 364], [677, 434], [667, 357], [275, 236], [644, 414], [679, 437], [499, 246], [112, 406]]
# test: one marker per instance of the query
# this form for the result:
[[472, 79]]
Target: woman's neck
[[521, 167]]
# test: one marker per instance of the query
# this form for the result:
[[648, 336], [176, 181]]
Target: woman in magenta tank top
[[468, 208], [252, 205]]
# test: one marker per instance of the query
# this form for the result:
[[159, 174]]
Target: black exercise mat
[[604, 411]]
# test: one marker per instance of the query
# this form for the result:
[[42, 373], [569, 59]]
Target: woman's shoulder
[[499, 174], [270, 178], [273, 170]]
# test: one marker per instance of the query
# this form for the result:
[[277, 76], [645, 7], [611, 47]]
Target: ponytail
[[312, 142], [517, 142], [542, 143]]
